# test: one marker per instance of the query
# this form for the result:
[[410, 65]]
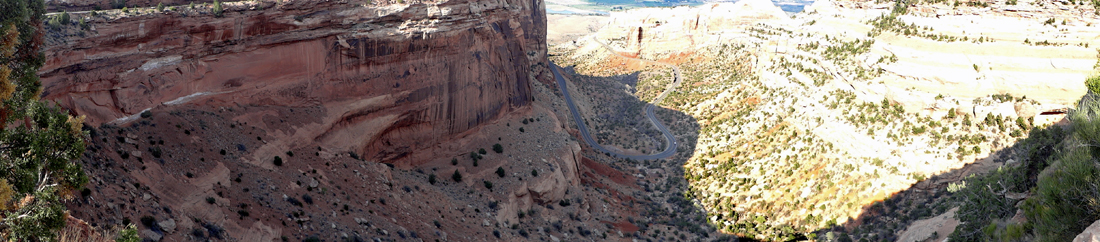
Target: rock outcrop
[[1091, 234], [656, 32], [391, 78]]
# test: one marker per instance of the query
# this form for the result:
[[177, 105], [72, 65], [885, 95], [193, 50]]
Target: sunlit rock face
[[391, 78]]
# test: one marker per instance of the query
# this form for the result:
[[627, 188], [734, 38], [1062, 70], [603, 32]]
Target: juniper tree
[[38, 142]]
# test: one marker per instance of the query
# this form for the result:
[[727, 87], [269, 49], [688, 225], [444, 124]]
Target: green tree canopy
[[38, 142]]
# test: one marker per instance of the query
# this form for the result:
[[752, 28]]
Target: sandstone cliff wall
[[392, 78]]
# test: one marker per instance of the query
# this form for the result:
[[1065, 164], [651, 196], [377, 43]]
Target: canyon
[[809, 124], [390, 75], [442, 120], [348, 120]]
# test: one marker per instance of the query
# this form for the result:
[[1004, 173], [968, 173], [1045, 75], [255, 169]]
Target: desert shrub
[[218, 11], [564, 203], [308, 199], [500, 171], [278, 161], [1057, 166], [1065, 193], [981, 205], [128, 234], [488, 185], [457, 177], [54, 23], [431, 179], [1023, 124], [481, 151], [148, 221], [1093, 83], [498, 148], [156, 151]]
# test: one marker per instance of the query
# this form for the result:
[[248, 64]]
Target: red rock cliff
[[392, 78]]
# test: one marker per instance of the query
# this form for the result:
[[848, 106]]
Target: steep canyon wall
[[392, 78]]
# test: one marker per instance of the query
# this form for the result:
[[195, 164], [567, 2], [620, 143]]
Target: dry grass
[[77, 230]]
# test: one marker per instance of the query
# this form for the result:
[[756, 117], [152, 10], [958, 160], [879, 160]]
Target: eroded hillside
[[388, 75], [343, 121], [810, 122]]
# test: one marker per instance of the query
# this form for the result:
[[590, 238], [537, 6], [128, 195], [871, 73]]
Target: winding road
[[649, 112]]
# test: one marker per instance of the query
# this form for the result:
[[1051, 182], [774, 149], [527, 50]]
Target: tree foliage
[[1066, 194], [1093, 83], [218, 11], [38, 142], [1058, 167]]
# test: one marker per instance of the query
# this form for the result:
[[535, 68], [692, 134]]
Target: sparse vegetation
[[1093, 84], [218, 11]]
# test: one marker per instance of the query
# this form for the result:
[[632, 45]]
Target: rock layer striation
[[391, 78]]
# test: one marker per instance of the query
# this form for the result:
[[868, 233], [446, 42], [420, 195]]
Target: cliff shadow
[[959, 203], [653, 189]]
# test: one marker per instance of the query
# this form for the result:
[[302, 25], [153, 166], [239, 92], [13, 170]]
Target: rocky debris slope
[[178, 174], [392, 77]]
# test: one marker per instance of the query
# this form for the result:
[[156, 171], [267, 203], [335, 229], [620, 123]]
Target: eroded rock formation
[[391, 78]]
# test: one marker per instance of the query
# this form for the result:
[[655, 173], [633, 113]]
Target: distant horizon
[[604, 7]]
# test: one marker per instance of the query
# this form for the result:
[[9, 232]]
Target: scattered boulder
[[169, 226], [1026, 110], [1091, 234], [151, 235]]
